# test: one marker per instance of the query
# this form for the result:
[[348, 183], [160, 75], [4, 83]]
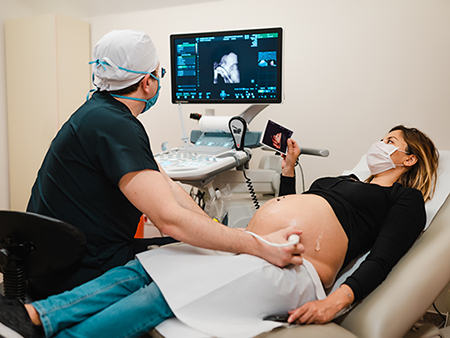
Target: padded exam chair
[[33, 245]]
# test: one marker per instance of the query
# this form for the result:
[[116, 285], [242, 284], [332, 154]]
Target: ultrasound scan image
[[227, 68]]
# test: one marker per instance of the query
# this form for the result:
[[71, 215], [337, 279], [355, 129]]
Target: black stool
[[33, 245]]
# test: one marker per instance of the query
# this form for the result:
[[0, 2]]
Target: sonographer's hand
[[288, 161], [282, 256]]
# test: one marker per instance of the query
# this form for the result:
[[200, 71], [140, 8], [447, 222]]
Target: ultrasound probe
[[292, 240]]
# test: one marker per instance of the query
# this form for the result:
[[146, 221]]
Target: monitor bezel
[[173, 57]]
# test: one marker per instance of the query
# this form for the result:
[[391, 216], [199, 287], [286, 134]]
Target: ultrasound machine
[[228, 67]]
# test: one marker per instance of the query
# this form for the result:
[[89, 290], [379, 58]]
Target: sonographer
[[100, 175]]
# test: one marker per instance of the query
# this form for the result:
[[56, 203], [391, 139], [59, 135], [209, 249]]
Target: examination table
[[412, 286]]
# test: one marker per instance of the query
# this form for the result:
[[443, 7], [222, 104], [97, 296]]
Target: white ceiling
[[89, 8]]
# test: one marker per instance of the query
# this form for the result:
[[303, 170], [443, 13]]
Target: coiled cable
[[251, 190]]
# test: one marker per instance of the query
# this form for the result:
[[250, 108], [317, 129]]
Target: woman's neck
[[388, 178], [382, 182]]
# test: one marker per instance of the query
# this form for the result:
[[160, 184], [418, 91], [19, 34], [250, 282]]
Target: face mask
[[148, 103], [379, 157]]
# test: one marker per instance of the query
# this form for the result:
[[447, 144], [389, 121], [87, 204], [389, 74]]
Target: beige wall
[[49, 54], [353, 69], [9, 9]]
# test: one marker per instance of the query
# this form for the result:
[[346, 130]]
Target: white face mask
[[379, 157]]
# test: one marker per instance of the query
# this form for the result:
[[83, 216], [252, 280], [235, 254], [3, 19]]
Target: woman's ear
[[410, 161]]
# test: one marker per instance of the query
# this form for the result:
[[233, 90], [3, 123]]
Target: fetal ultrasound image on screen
[[227, 69], [240, 68], [220, 66]]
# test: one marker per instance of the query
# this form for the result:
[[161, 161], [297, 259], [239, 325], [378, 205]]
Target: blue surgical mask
[[148, 103]]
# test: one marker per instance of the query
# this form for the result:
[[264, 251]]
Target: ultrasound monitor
[[242, 66]]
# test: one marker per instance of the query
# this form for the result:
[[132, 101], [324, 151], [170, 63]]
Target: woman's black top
[[384, 220]]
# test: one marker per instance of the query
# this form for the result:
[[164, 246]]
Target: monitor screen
[[242, 66]]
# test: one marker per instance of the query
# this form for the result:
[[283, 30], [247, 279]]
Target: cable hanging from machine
[[198, 196], [253, 195], [297, 163]]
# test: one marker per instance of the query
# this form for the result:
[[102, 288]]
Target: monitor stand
[[184, 136], [250, 113]]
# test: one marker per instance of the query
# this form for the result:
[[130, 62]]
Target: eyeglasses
[[154, 74]]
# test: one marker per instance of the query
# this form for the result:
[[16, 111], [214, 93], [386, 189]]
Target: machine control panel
[[224, 141], [198, 165]]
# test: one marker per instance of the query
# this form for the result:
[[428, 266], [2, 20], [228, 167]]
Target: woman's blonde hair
[[423, 174]]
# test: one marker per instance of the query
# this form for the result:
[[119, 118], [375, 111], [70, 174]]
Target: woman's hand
[[315, 312], [288, 161], [322, 311]]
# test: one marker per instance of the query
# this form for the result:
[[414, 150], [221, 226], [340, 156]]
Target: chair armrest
[[330, 330]]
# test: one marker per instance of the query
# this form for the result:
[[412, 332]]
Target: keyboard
[[199, 163], [203, 149]]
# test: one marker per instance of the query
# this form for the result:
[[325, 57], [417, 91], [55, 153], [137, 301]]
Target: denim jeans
[[124, 302]]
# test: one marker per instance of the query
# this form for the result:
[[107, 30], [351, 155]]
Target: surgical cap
[[128, 49]]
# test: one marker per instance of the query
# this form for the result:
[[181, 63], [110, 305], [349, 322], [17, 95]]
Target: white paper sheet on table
[[226, 295]]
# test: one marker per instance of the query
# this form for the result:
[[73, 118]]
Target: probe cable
[[297, 164], [253, 195], [293, 240], [442, 316]]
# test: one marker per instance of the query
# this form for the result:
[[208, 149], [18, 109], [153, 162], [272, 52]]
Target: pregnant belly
[[324, 239]]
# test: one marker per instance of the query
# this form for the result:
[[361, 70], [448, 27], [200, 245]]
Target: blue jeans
[[124, 302]]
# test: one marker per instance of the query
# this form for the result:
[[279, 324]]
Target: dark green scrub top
[[78, 180]]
